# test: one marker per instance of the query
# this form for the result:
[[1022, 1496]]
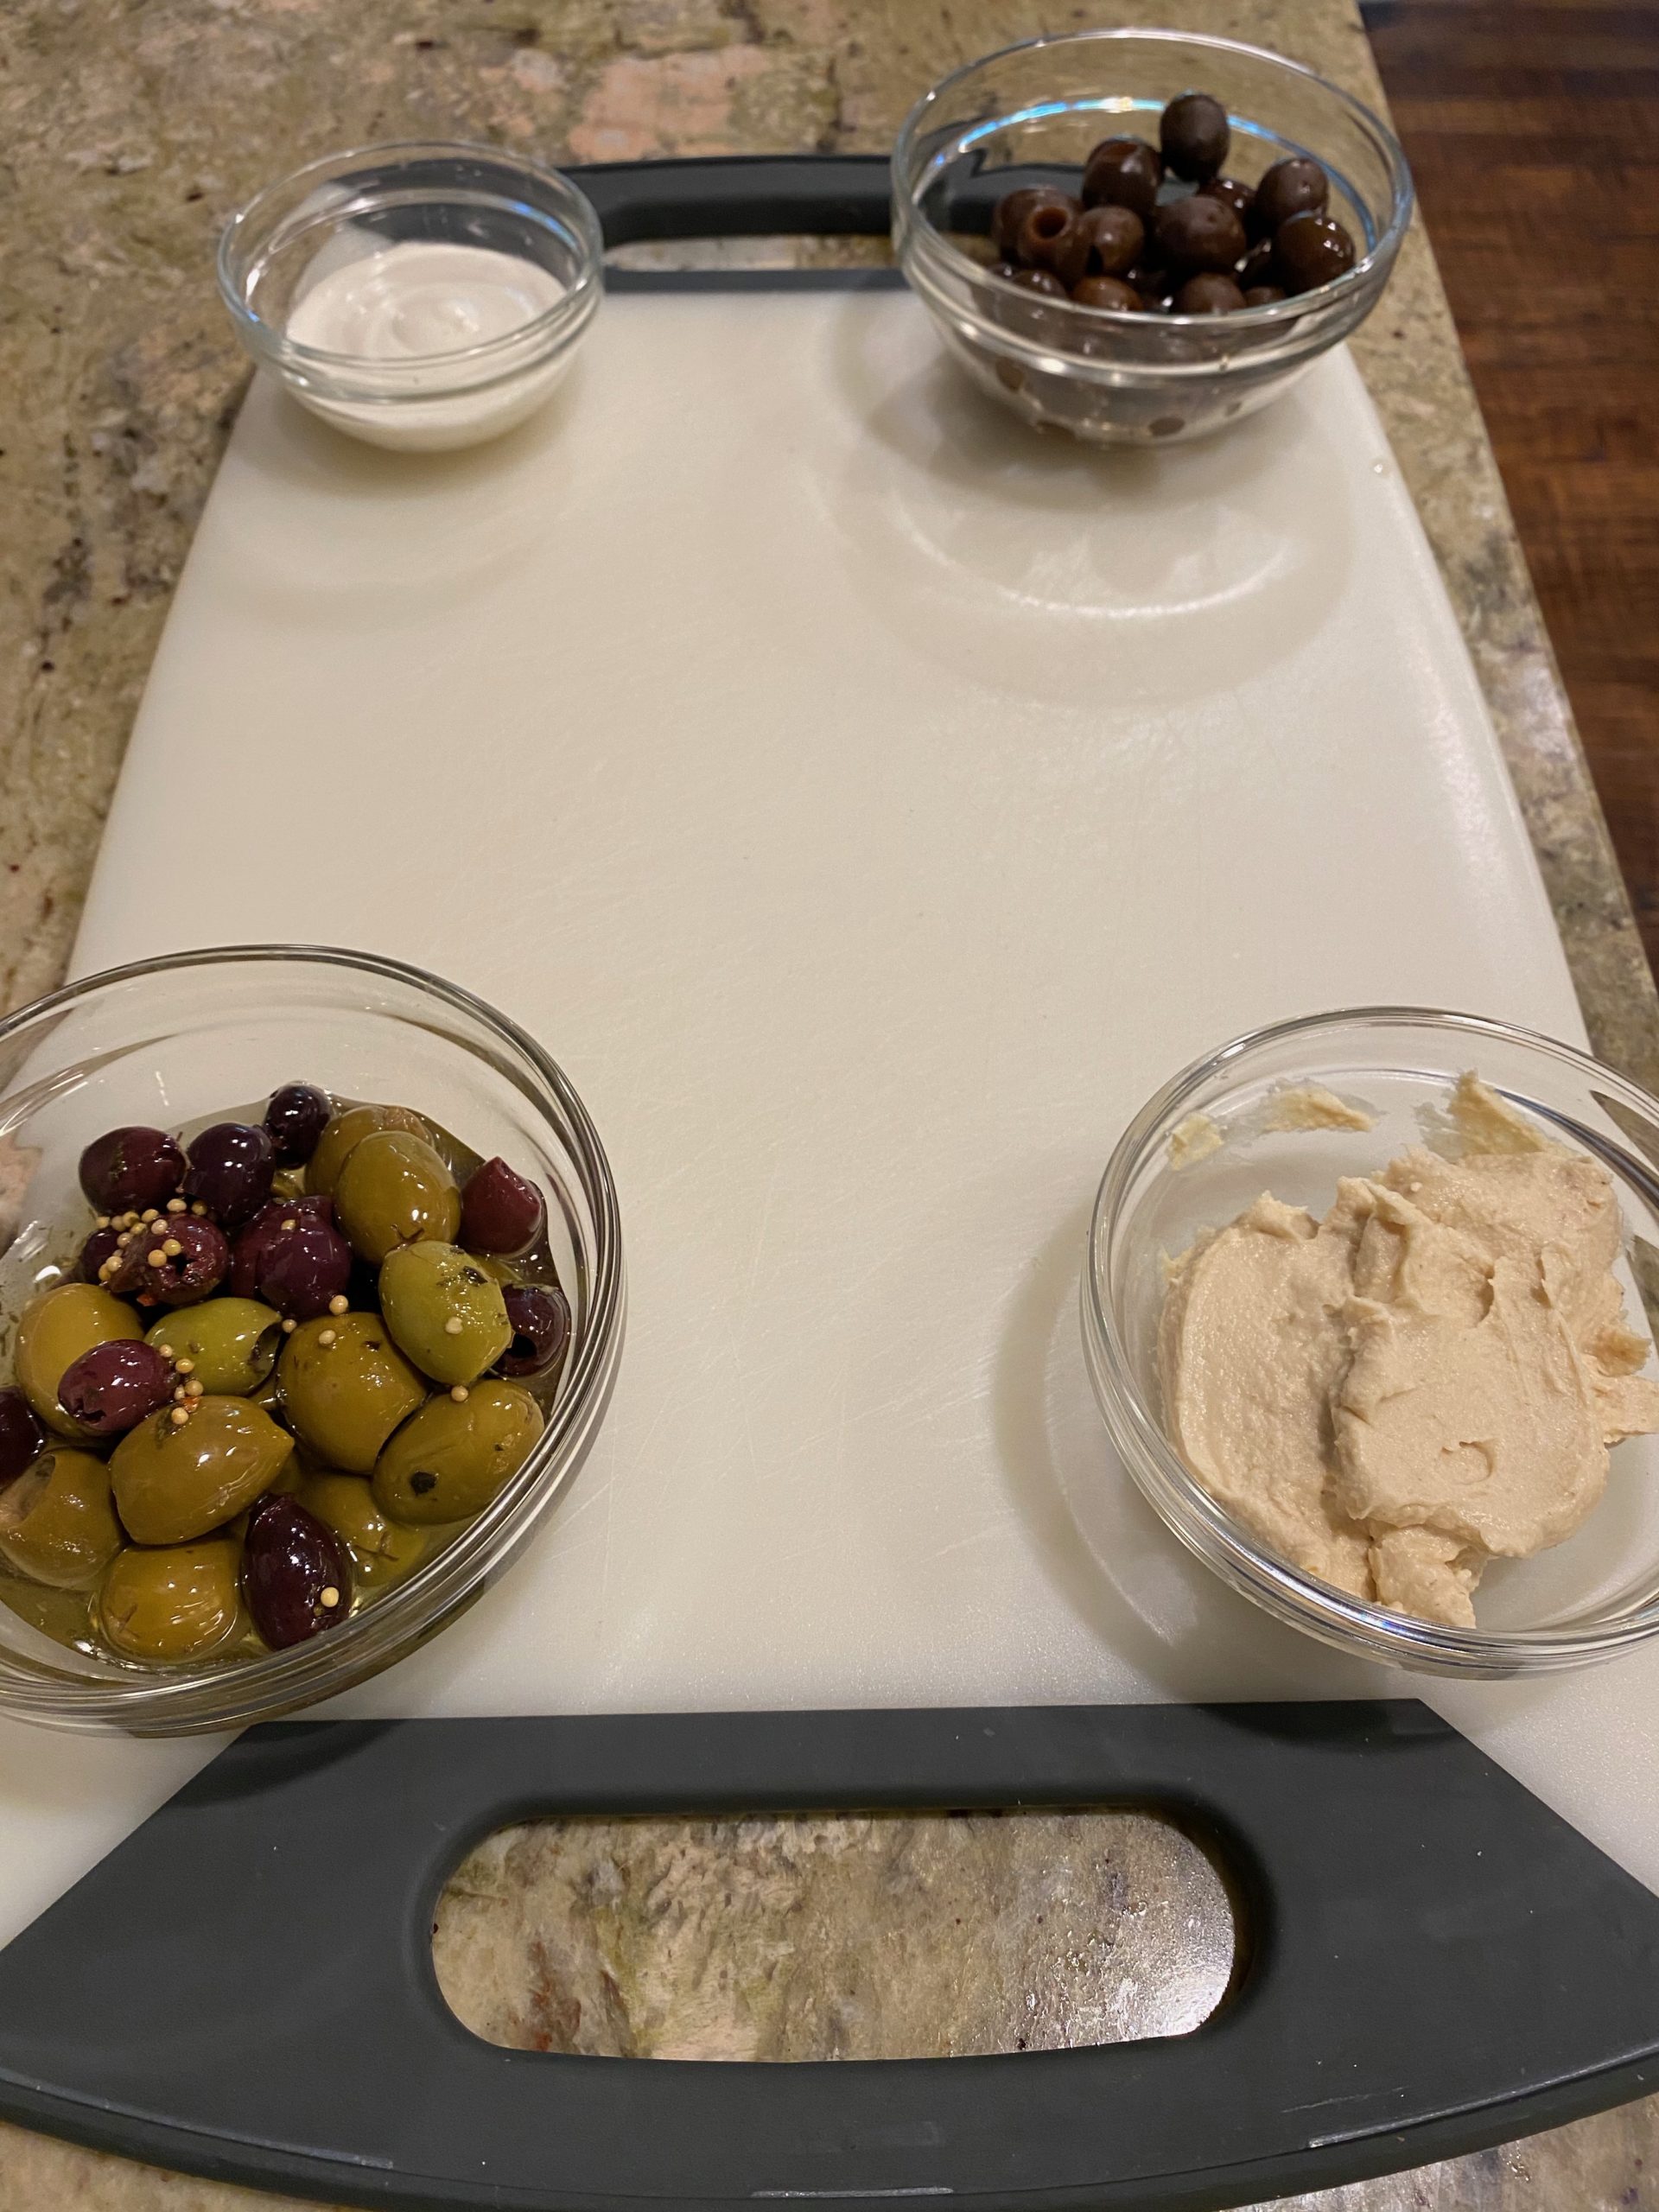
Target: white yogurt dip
[[403, 314]]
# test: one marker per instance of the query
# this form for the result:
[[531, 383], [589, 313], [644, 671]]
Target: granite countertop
[[132, 128]]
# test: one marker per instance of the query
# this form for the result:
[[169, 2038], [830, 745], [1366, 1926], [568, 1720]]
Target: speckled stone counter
[[131, 128]]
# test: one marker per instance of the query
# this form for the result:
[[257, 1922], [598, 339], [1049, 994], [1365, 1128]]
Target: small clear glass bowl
[[356, 206], [169, 1041], [1030, 115], [1590, 1598]]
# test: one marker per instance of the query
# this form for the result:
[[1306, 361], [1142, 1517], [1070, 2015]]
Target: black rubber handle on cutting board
[[245, 1989]]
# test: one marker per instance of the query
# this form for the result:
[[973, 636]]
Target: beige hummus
[[1428, 1379]]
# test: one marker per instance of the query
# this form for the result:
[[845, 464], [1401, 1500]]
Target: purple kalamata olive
[[500, 1212], [128, 1169], [173, 1261], [110, 1388], [541, 1328], [295, 1580], [296, 1116], [230, 1171], [23, 1438]]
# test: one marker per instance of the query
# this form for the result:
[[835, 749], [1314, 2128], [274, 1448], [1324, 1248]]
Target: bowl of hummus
[[1367, 1312]]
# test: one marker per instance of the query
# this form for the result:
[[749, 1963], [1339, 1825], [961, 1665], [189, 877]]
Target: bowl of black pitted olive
[[1140, 236], [310, 1302]]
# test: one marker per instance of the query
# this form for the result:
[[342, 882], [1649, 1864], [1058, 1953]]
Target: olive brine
[[1128, 240], [292, 1358]]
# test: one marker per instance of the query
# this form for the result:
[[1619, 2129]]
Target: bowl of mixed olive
[[1141, 235], [287, 1374]]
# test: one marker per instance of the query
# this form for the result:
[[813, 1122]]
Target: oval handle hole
[[880, 1935]]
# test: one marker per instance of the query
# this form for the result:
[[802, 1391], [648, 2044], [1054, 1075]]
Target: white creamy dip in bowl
[[1293, 1111], [421, 296]]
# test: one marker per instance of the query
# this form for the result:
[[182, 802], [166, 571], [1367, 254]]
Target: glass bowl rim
[[567, 312], [197, 1696], [909, 215], [1160, 1473]]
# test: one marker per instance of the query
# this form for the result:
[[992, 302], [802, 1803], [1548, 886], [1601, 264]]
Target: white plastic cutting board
[[869, 802]]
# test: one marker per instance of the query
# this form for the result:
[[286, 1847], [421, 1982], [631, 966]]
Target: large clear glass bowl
[[1030, 115], [172, 1041], [1590, 1598]]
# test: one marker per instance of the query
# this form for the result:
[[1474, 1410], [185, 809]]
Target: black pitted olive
[[1012, 210], [1198, 234], [1295, 187], [1310, 250], [1124, 172], [1194, 134], [1116, 238], [176, 1480], [1212, 293], [1238, 196], [1052, 238], [295, 1580]]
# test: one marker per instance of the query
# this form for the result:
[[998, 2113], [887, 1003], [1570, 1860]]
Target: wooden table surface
[[1532, 129]]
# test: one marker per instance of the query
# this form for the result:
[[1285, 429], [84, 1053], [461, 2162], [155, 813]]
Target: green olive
[[451, 1459], [173, 1602], [346, 1504], [345, 1386], [57, 1524], [53, 1331], [444, 1311], [176, 1480], [349, 1128], [395, 1190], [231, 1342]]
